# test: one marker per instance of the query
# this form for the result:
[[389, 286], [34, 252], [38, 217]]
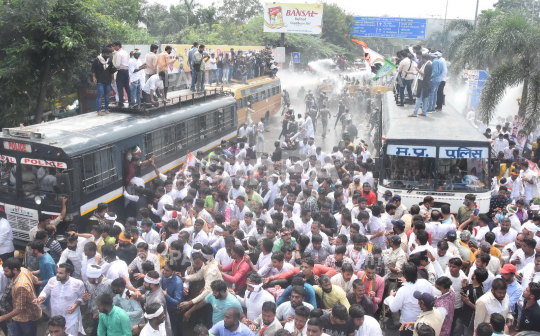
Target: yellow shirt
[[337, 295]]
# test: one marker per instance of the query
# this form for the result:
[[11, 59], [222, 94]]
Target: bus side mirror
[[496, 168], [63, 183]]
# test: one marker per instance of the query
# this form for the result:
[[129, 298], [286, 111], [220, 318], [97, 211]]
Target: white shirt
[[517, 187], [153, 83], [338, 281], [323, 235], [268, 270], [172, 238], [200, 237], [6, 237], [165, 199], [153, 239], [499, 145], [122, 60], [481, 233], [375, 224], [487, 283], [302, 228], [134, 64], [501, 238], [234, 193], [529, 275], [244, 226], [255, 302], [116, 269], [285, 310], [370, 327], [149, 331], [405, 301], [84, 264], [290, 327], [456, 286], [264, 260], [75, 259], [64, 295], [438, 231], [239, 214], [223, 258], [524, 260]]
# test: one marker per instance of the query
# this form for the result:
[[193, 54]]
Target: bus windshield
[[39, 179], [420, 173], [8, 173]]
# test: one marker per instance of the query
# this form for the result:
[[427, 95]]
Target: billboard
[[293, 18], [386, 27], [183, 49]]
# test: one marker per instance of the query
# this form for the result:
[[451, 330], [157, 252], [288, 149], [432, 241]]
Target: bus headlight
[[37, 199]]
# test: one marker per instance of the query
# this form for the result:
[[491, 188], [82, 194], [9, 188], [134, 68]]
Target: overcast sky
[[463, 9]]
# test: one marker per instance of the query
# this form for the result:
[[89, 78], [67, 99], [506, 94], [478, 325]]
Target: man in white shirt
[[286, 311], [136, 74], [500, 144], [529, 181], [149, 235], [122, 74], [114, 268], [525, 255], [277, 265], [516, 184], [494, 301], [504, 235], [482, 261], [71, 254], [152, 85], [298, 325], [237, 189], [364, 324], [438, 230]]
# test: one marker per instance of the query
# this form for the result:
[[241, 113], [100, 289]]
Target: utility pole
[[476, 14], [444, 27], [282, 43]]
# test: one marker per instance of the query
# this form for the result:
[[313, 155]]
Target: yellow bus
[[264, 93]]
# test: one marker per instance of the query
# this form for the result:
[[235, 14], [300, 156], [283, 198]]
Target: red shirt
[[240, 271], [318, 270], [371, 197]]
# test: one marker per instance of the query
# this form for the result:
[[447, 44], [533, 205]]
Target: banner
[[293, 18], [183, 49], [380, 66], [190, 160]]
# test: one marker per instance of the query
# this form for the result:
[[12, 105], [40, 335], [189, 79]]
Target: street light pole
[[476, 13], [444, 27]]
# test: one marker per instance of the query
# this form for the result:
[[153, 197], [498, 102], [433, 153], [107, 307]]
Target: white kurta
[[309, 126], [64, 296]]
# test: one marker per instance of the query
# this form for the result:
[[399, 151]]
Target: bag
[[400, 78], [197, 66]]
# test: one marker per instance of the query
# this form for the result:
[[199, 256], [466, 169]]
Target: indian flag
[[190, 160]]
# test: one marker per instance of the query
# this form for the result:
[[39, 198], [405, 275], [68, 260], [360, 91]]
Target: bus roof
[[238, 89], [86, 132], [447, 127]]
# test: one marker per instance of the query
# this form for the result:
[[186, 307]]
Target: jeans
[[440, 95], [225, 74], [219, 75], [103, 90], [122, 82], [243, 79], [433, 96], [135, 88], [200, 80], [231, 70], [406, 84], [424, 101], [23, 328], [212, 76], [193, 79]]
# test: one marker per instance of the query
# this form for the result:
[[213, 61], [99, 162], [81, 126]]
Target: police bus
[[441, 155], [81, 157]]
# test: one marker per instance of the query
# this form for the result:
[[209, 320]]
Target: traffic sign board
[[386, 27], [296, 57]]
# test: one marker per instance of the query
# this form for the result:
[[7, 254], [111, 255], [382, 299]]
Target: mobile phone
[[476, 211]]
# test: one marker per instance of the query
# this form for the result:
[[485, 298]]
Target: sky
[[462, 9]]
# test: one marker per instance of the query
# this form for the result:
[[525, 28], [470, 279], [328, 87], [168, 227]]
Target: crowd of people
[[283, 243], [425, 71]]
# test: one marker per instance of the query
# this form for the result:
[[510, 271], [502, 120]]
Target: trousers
[[440, 95], [122, 83], [103, 90], [406, 84], [193, 79], [433, 96], [135, 88]]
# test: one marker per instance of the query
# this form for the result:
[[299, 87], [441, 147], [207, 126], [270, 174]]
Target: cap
[[395, 239], [425, 298], [485, 246], [136, 51], [387, 193], [535, 207], [366, 184], [395, 198], [465, 235], [529, 226], [508, 268], [399, 223]]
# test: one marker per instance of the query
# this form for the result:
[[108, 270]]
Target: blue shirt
[[47, 269], [220, 306], [175, 291], [219, 330], [437, 70], [190, 56], [514, 291], [310, 295]]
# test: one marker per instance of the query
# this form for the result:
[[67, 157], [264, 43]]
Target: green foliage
[[240, 11], [532, 6]]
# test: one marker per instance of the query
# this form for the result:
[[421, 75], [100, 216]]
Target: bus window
[[239, 104], [8, 173], [209, 122], [193, 131], [405, 172], [39, 179], [160, 142], [181, 135], [228, 117], [466, 175], [99, 169]]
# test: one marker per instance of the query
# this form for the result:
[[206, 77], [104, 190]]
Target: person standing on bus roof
[[191, 53], [103, 75], [135, 75], [122, 77]]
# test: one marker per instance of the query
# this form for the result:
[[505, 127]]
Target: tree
[[505, 42], [532, 6], [240, 11]]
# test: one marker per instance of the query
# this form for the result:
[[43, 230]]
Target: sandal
[[412, 115], [107, 112], [100, 113]]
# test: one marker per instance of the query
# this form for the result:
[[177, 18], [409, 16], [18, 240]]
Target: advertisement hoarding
[[293, 18]]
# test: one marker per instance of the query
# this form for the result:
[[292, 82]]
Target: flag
[[380, 66], [190, 160]]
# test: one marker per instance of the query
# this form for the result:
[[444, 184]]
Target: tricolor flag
[[190, 160], [380, 66]]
